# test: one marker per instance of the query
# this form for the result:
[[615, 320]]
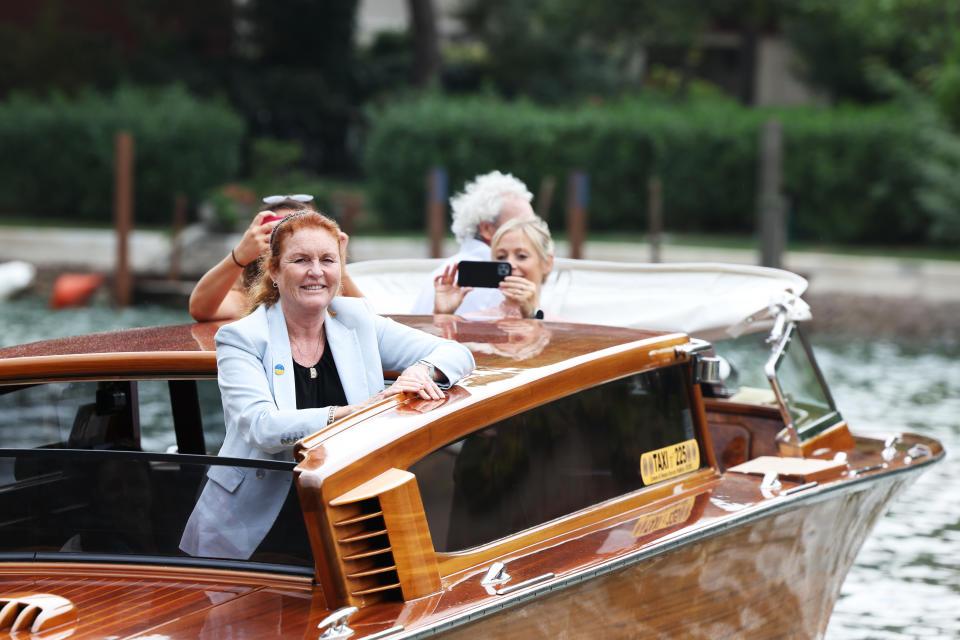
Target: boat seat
[[26, 468], [111, 421], [93, 429], [88, 427], [732, 444], [35, 508]]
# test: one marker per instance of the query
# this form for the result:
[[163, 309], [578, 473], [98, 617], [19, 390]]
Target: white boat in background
[[707, 300], [15, 276]]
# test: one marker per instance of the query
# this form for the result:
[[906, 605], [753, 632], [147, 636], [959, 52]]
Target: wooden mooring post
[[349, 207], [771, 204], [123, 216], [179, 222], [436, 209], [578, 198], [655, 216], [545, 197]]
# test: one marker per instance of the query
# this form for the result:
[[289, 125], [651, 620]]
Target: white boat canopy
[[705, 300]]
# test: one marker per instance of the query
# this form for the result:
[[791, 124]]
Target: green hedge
[[57, 154], [849, 172]]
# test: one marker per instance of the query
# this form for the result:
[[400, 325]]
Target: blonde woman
[[526, 244]]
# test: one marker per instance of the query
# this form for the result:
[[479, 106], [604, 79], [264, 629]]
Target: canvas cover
[[706, 300]]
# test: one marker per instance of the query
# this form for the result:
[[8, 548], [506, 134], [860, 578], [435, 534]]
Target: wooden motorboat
[[583, 481]]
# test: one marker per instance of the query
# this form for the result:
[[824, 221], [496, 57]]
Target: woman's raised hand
[[256, 239], [521, 293], [447, 294]]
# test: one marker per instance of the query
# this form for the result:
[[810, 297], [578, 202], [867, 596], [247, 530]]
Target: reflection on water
[[905, 582]]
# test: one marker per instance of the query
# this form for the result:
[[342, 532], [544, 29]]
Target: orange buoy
[[74, 289]]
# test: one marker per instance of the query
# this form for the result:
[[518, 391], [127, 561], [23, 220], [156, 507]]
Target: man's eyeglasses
[[299, 197]]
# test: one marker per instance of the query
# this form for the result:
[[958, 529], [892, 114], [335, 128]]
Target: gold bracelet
[[331, 414]]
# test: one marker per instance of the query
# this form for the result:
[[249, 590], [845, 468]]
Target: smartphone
[[472, 273]]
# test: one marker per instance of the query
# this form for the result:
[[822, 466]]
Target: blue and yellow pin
[[278, 369]]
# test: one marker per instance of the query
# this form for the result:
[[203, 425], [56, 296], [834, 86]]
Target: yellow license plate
[[668, 462]]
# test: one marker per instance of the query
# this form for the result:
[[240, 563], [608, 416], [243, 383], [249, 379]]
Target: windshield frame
[[831, 415]]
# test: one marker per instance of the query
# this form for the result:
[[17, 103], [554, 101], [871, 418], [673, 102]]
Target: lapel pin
[[278, 369]]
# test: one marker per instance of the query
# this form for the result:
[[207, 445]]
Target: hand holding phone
[[488, 274]]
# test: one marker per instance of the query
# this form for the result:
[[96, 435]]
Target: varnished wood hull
[[777, 576], [773, 574]]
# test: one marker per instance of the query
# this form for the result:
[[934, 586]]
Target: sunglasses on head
[[273, 232], [299, 197]]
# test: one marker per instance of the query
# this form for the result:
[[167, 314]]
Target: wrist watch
[[431, 370]]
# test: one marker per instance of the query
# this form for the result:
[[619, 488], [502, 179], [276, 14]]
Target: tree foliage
[[561, 50], [938, 191], [851, 175], [59, 152], [555, 50], [840, 41], [286, 65]]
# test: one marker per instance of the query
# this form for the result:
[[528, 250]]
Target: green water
[[30, 319]]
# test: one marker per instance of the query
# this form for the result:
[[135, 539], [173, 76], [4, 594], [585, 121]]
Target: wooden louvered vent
[[383, 540], [24, 614], [364, 546]]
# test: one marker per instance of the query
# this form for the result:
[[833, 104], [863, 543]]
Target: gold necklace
[[316, 353]]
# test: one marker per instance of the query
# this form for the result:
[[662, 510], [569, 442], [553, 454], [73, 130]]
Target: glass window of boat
[[115, 468], [149, 414], [799, 386], [109, 505], [555, 459]]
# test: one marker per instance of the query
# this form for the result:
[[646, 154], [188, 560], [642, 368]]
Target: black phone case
[[482, 274]]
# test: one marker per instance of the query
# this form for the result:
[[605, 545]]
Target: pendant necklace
[[316, 357]]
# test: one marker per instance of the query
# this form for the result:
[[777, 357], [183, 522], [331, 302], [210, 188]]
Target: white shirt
[[479, 299]]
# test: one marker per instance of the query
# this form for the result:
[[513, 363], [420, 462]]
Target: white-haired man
[[485, 203]]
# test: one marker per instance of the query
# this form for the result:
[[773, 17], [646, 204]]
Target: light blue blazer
[[238, 505]]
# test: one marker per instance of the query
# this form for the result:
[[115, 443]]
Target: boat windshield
[[805, 401], [112, 471], [563, 456]]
